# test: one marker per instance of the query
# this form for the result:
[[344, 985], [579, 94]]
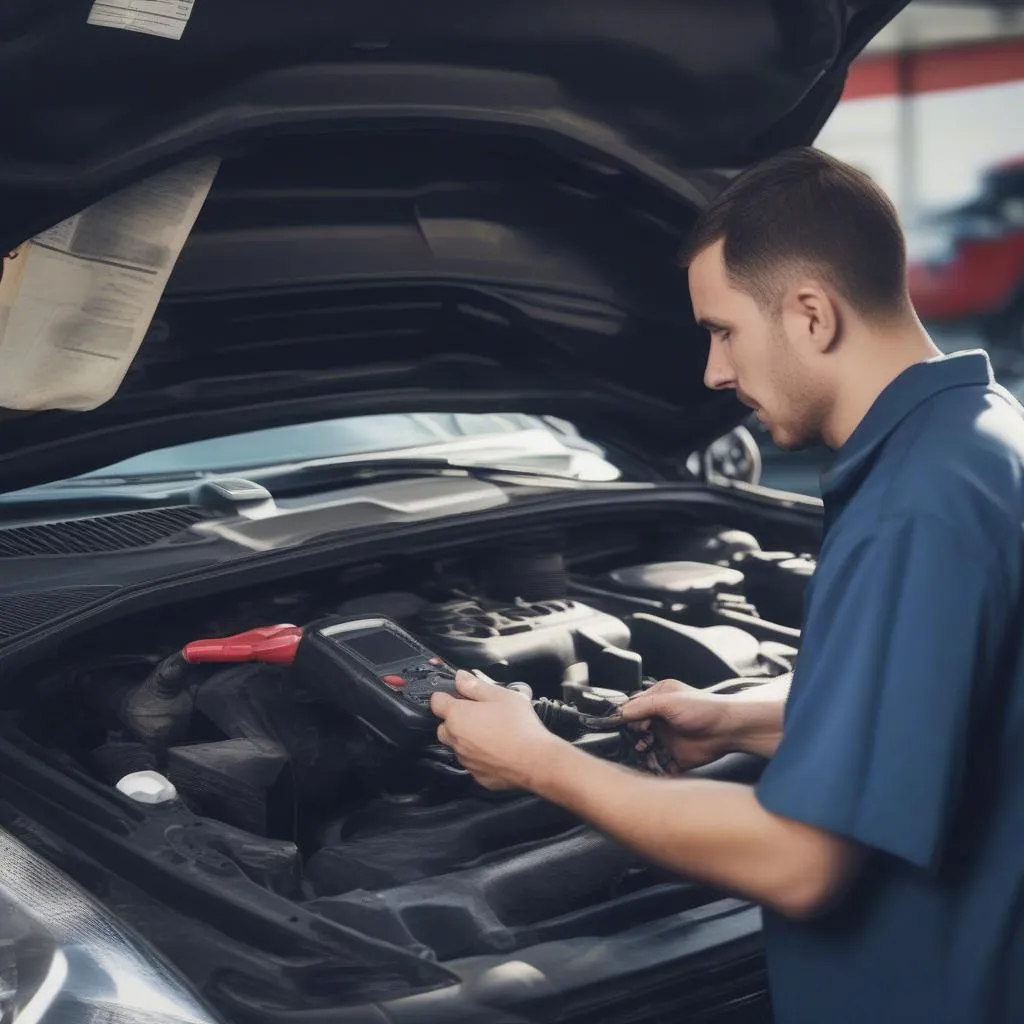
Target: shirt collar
[[913, 386]]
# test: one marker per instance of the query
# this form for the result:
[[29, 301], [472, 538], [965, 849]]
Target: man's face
[[752, 353]]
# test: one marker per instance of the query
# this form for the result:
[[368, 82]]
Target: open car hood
[[445, 206]]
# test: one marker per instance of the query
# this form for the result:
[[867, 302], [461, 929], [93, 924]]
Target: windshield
[[484, 439]]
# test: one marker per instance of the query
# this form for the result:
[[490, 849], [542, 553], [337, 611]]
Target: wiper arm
[[114, 494], [86, 483], [327, 473]]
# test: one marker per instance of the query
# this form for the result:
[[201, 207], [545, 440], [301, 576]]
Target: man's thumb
[[647, 705], [476, 687]]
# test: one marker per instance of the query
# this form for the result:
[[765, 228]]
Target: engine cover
[[693, 583], [533, 641]]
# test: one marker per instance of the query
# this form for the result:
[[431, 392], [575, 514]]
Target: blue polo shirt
[[904, 730]]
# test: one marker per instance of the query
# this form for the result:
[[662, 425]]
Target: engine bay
[[270, 777]]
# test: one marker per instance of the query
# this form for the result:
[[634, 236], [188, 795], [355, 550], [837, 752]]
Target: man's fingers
[[663, 686], [467, 684], [442, 735], [441, 704], [476, 688], [650, 703], [640, 708]]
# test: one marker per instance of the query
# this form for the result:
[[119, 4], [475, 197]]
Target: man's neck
[[873, 362]]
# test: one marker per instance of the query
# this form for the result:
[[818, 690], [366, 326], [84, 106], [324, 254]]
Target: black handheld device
[[374, 670]]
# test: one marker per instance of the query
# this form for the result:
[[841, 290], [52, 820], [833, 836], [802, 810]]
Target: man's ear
[[812, 315]]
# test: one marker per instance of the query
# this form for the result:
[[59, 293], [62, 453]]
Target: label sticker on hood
[[77, 300], [166, 18]]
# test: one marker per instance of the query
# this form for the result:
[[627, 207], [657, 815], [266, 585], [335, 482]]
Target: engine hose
[[569, 722], [558, 717], [158, 711]]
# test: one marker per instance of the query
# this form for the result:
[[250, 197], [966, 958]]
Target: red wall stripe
[[955, 67], [871, 76]]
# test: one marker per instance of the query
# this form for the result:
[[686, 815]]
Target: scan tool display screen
[[381, 647]]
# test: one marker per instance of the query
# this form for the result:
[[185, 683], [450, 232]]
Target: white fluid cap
[[148, 788]]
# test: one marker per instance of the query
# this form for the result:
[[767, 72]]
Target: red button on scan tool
[[394, 680]]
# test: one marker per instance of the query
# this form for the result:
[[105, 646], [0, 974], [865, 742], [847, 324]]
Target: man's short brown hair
[[805, 209]]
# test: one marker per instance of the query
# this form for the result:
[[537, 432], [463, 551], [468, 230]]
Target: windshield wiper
[[115, 493], [329, 473], [296, 476], [98, 482], [343, 470]]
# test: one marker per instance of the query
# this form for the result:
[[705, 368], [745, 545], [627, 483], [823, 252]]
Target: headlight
[[64, 958]]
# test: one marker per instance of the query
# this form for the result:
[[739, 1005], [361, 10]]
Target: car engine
[[259, 767]]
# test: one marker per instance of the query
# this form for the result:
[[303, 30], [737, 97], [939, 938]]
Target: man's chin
[[786, 441]]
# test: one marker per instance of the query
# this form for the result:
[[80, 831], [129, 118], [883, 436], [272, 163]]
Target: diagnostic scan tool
[[376, 671]]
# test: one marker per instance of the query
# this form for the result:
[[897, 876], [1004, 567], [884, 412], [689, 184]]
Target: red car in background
[[967, 263]]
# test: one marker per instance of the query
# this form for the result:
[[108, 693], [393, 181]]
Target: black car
[[221, 798]]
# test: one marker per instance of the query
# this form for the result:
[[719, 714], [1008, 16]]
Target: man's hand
[[697, 727], [688, 723], [494, 732]]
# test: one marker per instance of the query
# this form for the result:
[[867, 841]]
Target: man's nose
[[718, 374]]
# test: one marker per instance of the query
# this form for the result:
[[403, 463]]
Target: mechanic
[[884, 838]]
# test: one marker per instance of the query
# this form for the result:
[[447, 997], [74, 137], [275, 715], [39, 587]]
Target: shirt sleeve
[[901, 642]]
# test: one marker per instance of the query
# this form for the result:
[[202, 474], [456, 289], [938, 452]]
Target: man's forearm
[[754, 721], [715, 832]]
